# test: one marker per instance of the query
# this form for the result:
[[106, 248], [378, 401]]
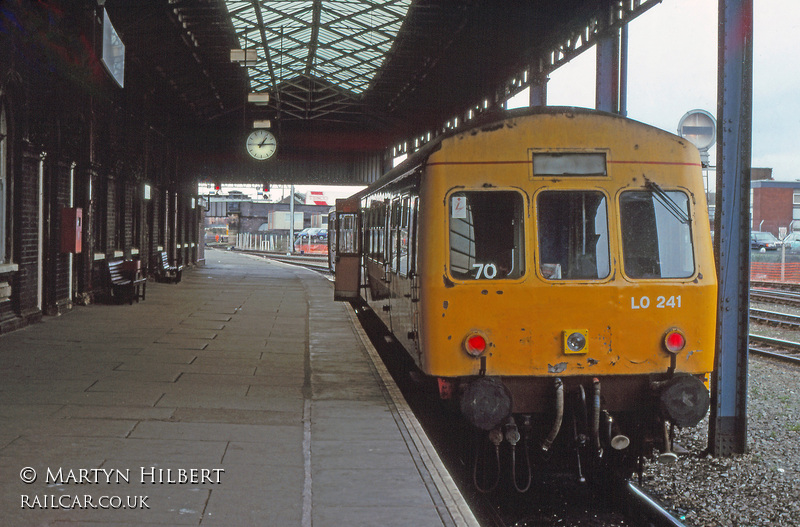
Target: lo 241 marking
[[662, 302]]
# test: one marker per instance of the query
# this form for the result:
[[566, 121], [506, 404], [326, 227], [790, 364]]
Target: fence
[[775, 271], [262, 242]]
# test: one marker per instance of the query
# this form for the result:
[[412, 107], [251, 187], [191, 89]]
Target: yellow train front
[[553, 271]]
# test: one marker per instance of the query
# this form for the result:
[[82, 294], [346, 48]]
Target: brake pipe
[[513, 438], [596, 415], [548, 441], [496, 437]]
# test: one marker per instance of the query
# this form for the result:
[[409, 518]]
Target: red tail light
[[475, 344], [674, 340]]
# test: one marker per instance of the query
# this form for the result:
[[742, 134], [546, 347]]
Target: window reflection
[[656, 234], [347, 238], [486, 235], [573, 235]]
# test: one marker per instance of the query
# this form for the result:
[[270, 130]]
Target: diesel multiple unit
[[552, 271]]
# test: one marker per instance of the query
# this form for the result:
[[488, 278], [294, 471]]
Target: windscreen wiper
[[668, 203]]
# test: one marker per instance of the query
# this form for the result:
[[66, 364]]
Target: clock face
[[261, 144]]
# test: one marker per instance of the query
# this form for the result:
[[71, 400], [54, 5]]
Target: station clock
[[261, 144]]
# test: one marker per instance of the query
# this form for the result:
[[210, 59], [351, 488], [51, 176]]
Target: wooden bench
[[164, 271], [125, 281]]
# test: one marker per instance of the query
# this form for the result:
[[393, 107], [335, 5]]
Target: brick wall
[[116, 151], [772, 208], [153, 211], [26, 234], [56, 275], [110, 198], [127, 219]]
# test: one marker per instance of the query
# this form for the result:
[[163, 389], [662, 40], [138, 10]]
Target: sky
[[672, 69]]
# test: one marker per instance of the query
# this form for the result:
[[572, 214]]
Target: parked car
[[792, 242], [311, 231], [311, 241], [764, 240]]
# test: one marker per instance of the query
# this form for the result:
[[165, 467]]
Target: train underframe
[[597, 428]]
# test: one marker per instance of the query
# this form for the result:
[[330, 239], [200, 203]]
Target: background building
[[236, 213], [775, 206]]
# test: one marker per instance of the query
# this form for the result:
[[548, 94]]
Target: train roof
[[488, 122]]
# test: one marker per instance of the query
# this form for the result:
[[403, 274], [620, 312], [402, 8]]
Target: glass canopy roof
[[341, 42]]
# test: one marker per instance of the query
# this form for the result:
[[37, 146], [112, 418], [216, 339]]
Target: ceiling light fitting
[[244, 55], [259, 99]]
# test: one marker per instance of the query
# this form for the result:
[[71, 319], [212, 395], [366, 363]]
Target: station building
[[775, 206], [88, 172]]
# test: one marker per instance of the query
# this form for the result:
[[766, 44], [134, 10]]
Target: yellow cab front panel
[[587, 282]]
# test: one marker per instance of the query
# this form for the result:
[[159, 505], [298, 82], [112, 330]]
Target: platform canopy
[[352, 75]]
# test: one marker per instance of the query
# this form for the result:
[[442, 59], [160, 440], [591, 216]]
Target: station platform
[[241, 396]]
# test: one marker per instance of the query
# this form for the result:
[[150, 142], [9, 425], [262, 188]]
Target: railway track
[[649, 509], [774, 318], [775, 296], [785, 294], [315, 263], [552, 500], [783, 286], [783, 350]]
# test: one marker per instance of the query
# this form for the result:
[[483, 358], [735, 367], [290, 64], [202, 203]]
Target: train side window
[[573, 235], [370, 232], [374, 228], [403, 251], [382, 233], [369, 221], [486, 235], [414, 233], [394, 236], [656, 234], [347, 236]]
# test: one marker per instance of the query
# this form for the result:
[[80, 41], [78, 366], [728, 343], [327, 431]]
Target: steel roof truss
[[345, 42]]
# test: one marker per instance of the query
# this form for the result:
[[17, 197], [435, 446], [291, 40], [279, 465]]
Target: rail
[[315, 263], [649, 508], [774, 318], [784, 350], [775, 296]]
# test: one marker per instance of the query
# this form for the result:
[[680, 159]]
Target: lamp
[[244, 55], [259, 99]]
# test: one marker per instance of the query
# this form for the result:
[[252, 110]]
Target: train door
[[348, 250], [332, 240], [413, 274]]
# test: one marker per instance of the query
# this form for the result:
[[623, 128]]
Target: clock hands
[[261, 144]]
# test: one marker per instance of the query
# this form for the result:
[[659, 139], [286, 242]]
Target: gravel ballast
[[758, 488]]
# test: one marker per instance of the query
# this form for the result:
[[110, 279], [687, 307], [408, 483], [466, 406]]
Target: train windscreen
[[486, 235], [573, 235], [656, 234]]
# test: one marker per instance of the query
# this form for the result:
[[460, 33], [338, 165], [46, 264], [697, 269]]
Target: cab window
[[656, 234], [573, 235], [486, 236]]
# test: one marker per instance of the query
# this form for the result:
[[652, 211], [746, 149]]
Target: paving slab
[[247, 368]]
